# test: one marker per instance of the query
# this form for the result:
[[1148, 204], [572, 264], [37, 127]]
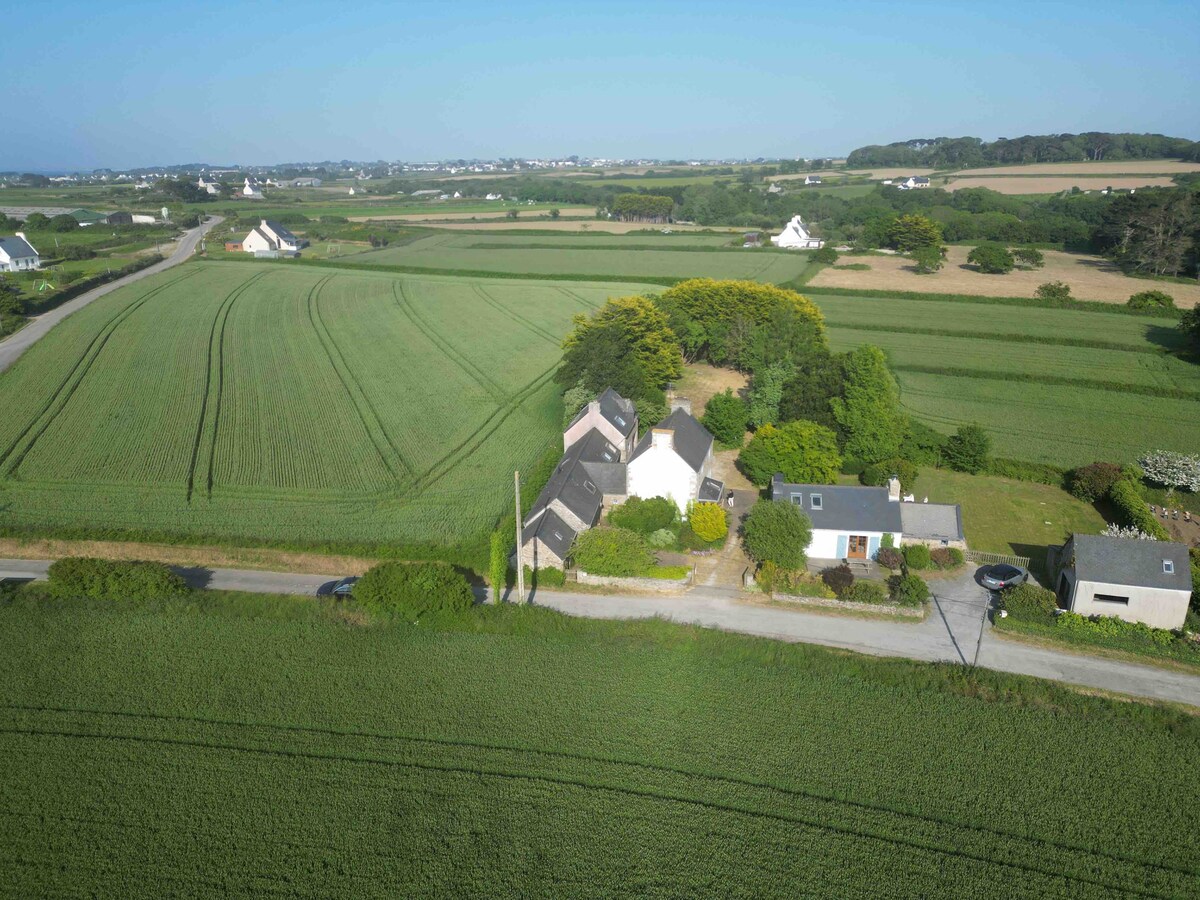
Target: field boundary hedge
[[1148, 390], [1078, 305], [1015, 338]]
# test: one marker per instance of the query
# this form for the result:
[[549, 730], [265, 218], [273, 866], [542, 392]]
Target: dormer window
[[816, 501], [798, 499], [591, 488], [619, 421], [1168, 567], [558, 535], [608, 456]]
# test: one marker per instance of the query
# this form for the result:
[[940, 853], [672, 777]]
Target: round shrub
[[726, 415], [838, 579], [890, 558], [663, 537], [968, 449], [916, 556], [1029, 603], [612, 551], [992, 259], [644, 516], [908, 590], [79, 577], [946, 557], [877, 474], [1093, 481], [777, 532], [865, 592], [413, 589], [826, 256], [1151, 300], [1053, 290], [708, 521]]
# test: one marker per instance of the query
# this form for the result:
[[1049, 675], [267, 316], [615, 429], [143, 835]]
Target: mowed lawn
[[263, 402], [1021, 373], [256, 746], [625, 256]]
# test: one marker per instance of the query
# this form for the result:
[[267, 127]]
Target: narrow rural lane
[[12, 348], [954, 631]]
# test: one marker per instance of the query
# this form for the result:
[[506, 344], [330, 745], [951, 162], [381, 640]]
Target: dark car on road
[[1003, 576], [339, 590]]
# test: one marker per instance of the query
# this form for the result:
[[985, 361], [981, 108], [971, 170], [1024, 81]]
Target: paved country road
[[956, 629], [12, 348]]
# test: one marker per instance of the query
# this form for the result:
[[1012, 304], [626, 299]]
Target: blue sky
[[122, 84]]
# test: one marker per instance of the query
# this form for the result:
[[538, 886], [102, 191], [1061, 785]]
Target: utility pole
[[520, 562]]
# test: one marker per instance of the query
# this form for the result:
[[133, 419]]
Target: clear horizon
[[142, 86]]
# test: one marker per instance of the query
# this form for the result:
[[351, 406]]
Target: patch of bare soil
[[1090, 278], [700, 381]]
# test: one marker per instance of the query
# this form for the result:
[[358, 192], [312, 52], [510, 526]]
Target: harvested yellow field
[[593, 225], [467, 216], [1090, 278], [1052, 184], [1126, 167], [889, 173]]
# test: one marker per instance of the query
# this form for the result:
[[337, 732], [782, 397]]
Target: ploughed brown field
[[1090, 278], [1052, 184]]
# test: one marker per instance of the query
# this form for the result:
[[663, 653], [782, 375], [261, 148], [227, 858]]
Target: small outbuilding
[[1138, 581]]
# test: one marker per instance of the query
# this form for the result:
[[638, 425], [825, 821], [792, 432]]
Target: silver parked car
[[1003, 576]]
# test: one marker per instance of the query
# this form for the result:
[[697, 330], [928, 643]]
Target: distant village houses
[[252, 189], [208, 185]]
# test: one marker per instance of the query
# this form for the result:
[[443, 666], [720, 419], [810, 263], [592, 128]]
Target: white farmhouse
[[674, 460], [208, 185], [795, 236], [913, 182], [812, 179], [17, 254], [1138, 581], [271, 238], [494, 196], [252, 189]]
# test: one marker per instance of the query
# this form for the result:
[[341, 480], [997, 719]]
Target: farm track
[[216, 338], [472, 371], [358, 397], [911, 831], [11, 458], [516, 317]]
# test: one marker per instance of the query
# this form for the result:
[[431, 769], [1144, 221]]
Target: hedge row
[[1134, 511], [79, 577], [1082, 305], [1148, 390], [413, 590], [1020, 470], [1045, 339]]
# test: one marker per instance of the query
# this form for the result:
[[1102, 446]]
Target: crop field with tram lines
[[286, 404]]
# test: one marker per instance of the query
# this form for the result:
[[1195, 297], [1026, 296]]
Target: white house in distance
[[208, 185], [812, 179], [17, 254], [252, 189], [795, 236], [271, 238], [674, 460], [913, 182], [849, 521], [1138, 581], [494, 196]]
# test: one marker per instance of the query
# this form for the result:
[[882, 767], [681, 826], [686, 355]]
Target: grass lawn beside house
[[1005, 516]]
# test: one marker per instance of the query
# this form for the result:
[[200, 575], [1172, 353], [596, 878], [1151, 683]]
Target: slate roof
[[17, 247], [573, 486], [691, 440], [594, 447], [843, 507], [932, 521], [280, 230], [1136, 563], [619, 412], [710, 491], [553, 532]]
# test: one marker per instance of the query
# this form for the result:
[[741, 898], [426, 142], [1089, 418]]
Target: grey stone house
[[1138, 581]]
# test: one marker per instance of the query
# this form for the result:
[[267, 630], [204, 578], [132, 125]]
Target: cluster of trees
[[643, 207], [964, 152], [1152, 232], [182, 191], [41, 222]]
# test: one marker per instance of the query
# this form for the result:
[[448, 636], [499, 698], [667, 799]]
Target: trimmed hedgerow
[[1093, 481], [1134, 511], [413, 589], [1029, 602], [77, 577]]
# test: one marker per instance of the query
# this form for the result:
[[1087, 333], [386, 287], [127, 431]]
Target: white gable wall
[[661, 472], [1157, 607], [255, 241]]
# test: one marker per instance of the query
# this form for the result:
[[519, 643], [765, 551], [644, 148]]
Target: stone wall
[[657, 585]]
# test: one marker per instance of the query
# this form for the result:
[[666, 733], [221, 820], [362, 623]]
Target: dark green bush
[[1029, 602], [612, 551], [77, 577], [916, 556], [826, 256], [644, 516], [838, 578], [877, 474], [545, 576], [890, 558], [1056, 291], [968, 449], [1132, 509], [413, 590], [946, 557], [992, 259], [78, 252], [726, 415], [1093, 481], [1151, 300], [907, 590], [921, 445], [864, 592], [777, 532]]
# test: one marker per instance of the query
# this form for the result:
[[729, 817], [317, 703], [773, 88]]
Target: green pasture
[[254, 402], [252, 746], [554, 256], [1050, 385]]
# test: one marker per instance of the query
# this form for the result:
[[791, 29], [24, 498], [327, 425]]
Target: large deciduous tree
[[805, 452], [911, 232], [640, 347], [777, 532], [868, 414]]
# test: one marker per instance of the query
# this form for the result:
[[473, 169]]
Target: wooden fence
[[993, 559]]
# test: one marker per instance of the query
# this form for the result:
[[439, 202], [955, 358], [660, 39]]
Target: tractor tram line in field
[[11, 459], [515, 316]]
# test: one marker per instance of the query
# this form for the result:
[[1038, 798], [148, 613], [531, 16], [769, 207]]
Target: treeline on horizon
[[968, 152]]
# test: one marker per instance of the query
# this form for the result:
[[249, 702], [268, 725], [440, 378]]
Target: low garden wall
[[914, 612], [658, 585]]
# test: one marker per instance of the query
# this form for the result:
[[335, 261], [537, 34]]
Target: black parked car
[[339, 590]]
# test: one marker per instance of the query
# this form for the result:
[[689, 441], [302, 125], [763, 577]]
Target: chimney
[[662, 437], [893, 487], [681, 403], [264, 223], [21, 235]]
